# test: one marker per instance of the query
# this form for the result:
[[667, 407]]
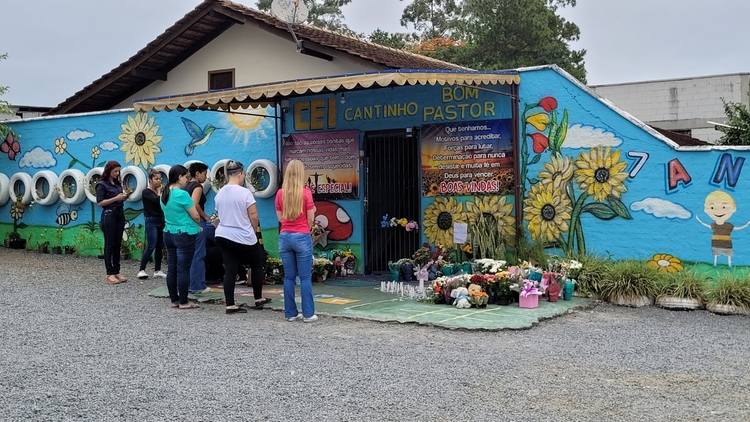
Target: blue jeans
[[296, 252], [112, 225], [154, 242], [180, 251], [198, 267]]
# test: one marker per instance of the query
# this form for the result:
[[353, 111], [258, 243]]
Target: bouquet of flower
[[572, 269], [529, 289], [489, 266], [478, 299], [422, 255]]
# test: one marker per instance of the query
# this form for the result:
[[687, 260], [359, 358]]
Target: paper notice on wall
[[460, 233]]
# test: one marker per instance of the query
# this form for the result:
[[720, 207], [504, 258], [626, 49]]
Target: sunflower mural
[[566, 188], [439, 218], [140, 140], [665, 263]]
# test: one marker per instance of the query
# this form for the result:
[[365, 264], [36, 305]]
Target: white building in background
[[683, 105], [24, 112]]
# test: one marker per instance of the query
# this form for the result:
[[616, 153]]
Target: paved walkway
[[352, 298]]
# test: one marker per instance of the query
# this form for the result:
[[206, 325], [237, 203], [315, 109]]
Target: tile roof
[[680, 139]]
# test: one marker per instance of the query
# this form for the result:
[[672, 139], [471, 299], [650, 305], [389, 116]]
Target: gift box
[[530, 301]]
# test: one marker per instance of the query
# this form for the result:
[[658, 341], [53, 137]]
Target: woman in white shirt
[[235, 236]]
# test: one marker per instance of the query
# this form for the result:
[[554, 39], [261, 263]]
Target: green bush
[[688, 284], [730, 290], [628, 279], [592, 274]]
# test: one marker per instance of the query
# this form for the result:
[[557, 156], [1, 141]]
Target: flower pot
[[466, 267], [678, 303], [17, 244], [632, 301], [57, 250], [124, 256], [70, 250], [530, 301], [447, 270], [568, 288], [319, 278], [503, 300], [42, 249], [331, 274], [722, 309], [395, 274], [407, 272], [493, 298]]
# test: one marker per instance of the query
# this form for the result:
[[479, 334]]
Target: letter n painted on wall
[[726, 169]]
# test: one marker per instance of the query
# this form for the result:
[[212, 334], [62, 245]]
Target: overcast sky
[[57, 47]]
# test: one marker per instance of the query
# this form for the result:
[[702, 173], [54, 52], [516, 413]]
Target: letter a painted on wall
[[676, 173], [725, 168]]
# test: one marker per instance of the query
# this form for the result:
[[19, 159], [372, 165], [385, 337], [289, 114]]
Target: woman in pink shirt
[[296, 211]]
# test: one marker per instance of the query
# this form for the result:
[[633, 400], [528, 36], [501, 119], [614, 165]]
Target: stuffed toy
[[474, 289], [461, 296]]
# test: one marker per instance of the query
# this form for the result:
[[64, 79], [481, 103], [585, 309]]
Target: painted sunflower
[[558, 169], [601, 173], [495, 207], [140, 139], [548, 212], [439, 218], [16, 212], [60, 146], [665, 263]]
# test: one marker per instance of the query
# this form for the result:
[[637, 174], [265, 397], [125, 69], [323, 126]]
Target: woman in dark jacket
[[110, 196], [154, 228]]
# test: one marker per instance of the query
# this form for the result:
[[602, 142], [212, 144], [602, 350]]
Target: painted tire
[[141, 181], [163, 169], [4, 189], [207, 184], [96, 171], [38, 179], [80, 180], [273, 178], [219, 166], [27, 187]]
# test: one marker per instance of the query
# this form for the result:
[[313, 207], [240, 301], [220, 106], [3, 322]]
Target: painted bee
[[65, 215]]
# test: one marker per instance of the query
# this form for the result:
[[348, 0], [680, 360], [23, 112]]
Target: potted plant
[[57, 236], [124, 250], [685, 290], [407, 269], [589, 277], [14, 241], [395, 269], [478, 299], [501, 288], [43, 247], [421, 256], [629, 283], [729, 295], [320, 268], [274, 271], [70, 250]]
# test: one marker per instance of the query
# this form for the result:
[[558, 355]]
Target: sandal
[[189, 306], [174, 305], [262, 301]]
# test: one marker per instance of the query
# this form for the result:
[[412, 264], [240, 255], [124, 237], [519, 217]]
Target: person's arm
[[699, 220], [743, 226], [310, 218], [194, 214], [252, 213], [101, 190], [279, 215], [196, 196], [309, 205]]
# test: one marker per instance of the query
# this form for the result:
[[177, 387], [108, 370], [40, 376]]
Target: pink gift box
[[530, 301]]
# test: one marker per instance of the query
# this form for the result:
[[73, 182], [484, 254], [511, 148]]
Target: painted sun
[[244, 127]]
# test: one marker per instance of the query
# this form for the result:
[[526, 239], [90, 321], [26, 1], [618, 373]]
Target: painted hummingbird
[[198, 136]]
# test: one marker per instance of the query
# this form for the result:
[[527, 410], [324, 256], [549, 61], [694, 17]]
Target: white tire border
[[96, 171], [51, 179], [163, 169], [81, 187], [4, 189], [24, 178], [221, 164], [141, 181], [273, 178]]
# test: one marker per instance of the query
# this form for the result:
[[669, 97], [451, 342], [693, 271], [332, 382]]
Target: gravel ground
[[75, 348]]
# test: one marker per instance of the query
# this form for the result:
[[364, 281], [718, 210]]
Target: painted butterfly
[[10, 146]]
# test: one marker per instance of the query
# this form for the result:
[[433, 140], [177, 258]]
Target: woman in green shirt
[[180, 230]]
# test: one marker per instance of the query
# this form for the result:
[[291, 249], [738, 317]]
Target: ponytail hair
[[175, 173]]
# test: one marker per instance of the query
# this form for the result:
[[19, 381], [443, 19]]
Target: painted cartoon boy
[[720, 206]]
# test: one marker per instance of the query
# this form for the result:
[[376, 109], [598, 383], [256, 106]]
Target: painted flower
[[548, 212], [140, 140], [601, 173], [60, 146], [95, 151], [559, 169], [665, 263], [539, 121], [541, 142], [16, 211], [439, 218], [434, 189], [494, 207], [548, 104]]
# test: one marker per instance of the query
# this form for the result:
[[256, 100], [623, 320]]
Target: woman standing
[[154, 228], [198, 174], [180, 230], [235, 236], [296, 212], [110, 196]]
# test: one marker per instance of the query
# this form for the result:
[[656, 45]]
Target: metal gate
[[392, 188]]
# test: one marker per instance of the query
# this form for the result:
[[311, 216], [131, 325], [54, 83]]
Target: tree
[[737, 129], [398, 41], [432, 18], [4, 105], [323, 14]]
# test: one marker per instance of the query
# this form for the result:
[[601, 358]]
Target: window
[[220, 79]]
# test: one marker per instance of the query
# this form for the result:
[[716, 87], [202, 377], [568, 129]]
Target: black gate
[[392, 187]]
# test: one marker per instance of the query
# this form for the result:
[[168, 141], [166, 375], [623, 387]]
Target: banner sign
[[331, 162], [468, 158]]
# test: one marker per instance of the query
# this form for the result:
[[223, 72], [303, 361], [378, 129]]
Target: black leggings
[[112, 225], [236, 254]]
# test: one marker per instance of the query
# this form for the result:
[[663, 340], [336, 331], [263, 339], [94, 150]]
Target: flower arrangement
[[274, 270], [320, 266], [489, 266], [316, 229], [478, 299], [529, 289], [422, 255], [408, 225], [572, 268]]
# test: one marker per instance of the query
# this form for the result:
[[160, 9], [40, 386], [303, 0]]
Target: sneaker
[[142, 275], [311, 319], [160, 274], [299, 317]]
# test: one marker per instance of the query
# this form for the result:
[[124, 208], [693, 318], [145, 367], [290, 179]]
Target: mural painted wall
[[53, 162], [598, 181], [430, 108]]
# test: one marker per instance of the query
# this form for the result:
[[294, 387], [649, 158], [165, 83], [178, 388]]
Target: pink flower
[[548, 104]]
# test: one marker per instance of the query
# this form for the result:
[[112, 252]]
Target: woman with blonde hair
[[296, 212]]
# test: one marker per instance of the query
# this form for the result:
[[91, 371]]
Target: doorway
[[392, 187]]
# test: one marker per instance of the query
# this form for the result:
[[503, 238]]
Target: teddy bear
[[461, 296], [474, 289]]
